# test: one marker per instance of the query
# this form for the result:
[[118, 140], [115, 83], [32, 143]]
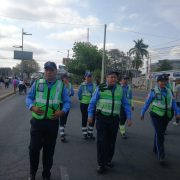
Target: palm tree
[[139, 51]]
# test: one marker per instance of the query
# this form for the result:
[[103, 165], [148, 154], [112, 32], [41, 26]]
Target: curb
[[6, 95]]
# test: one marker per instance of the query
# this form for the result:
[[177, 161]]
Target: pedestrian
[[1, 81], [85, 93], [63, 119], [15, 84], [162, 110], [48, 100], [6, 82], [127, 91], [106, 102], [177, 97]]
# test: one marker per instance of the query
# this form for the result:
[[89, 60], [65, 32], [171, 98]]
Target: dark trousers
[[122, 116], [63, 119], [178, 105], [107, 129], [84, 112], [160, 125], [43, 135]]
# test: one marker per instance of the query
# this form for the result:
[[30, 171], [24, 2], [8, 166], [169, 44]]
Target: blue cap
[[88, 74], [162, 78], [109, 72], [125, 77], [50, 65]]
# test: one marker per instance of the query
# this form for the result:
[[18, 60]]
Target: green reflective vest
[[86, 95], [47, 99], [162, 105], [109, 103]]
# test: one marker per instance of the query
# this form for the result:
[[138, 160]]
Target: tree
[[26, 66], [86, 57], [164, 65], [139, 51], [118, 61]]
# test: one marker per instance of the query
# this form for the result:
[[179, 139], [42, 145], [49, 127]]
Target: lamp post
[[22, 47]]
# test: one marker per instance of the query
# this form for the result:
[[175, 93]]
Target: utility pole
[[103, 58], [68, 53]]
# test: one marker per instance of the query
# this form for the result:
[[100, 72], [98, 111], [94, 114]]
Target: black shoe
[[31, 177], [63, 139], [123, 136], [85, 137], [101, 169], [91, 136], [110, 165]]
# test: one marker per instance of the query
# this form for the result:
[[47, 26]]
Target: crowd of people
[[108, 105]]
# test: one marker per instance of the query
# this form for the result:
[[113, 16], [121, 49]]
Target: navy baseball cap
[[125, 77], [50, 65], [112, 72], [162, 78], [88, 74]]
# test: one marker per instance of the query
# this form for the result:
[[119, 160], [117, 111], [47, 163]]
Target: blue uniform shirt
[[96, 97], [89, 88], [65, 98], [125, 90], [150, 99]]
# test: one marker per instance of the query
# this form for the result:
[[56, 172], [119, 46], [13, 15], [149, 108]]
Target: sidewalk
[[5, 92]]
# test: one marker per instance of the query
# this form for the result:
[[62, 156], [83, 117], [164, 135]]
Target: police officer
[[44, 100], [162, 108], [63, 119], [85, 92], [127, 91], [107, 101]]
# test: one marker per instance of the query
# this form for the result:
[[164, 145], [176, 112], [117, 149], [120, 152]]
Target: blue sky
[[56, 24]]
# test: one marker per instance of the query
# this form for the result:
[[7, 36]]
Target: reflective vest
[[109, 103], [86, 94], [47, 99], [162, 105]]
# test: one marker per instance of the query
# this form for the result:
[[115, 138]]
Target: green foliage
[[26, 66], [118, 61], [86, 57], [139, 51], [164, 65]]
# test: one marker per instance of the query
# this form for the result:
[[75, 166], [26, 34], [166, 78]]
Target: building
[[175, 63]]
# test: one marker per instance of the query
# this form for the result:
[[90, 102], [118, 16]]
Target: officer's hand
[[129, 122], [37, 110], [132, 108], [142, 118], [90, 120], [57, 114]]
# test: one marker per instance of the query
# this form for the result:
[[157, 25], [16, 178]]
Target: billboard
[[23, 55]]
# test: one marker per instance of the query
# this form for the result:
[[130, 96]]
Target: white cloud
[[76, 34], [108, 45], [133, 16]]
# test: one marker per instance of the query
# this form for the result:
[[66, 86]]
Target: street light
[[22, 46]]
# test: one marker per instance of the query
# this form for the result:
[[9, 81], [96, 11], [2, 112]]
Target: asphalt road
[[76, 159]]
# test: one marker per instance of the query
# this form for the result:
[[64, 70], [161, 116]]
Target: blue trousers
[[160, 125]]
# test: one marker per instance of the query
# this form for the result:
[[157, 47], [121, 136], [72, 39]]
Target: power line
[[51, 22], [147, 34], [167, 47], [91, 25], [166, 42]]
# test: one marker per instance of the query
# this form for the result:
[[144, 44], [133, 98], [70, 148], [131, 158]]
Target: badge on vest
[[41, 87]]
